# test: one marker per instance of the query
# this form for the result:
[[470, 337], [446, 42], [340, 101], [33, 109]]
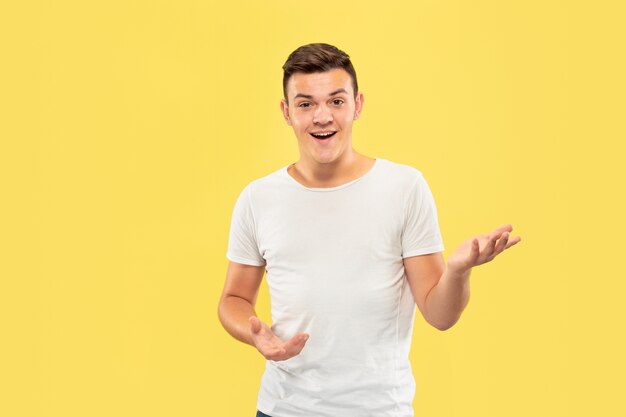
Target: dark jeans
[[260, 414]]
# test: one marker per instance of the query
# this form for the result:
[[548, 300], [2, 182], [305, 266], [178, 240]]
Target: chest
[[327, 230]]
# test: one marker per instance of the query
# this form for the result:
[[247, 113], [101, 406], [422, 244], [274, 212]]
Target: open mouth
[[323, 135]]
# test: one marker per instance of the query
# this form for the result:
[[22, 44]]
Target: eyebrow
[[337, 91]]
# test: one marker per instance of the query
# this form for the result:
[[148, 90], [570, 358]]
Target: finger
[[501, 245], [275, 354], [294, 346], [270, 347], [291, 348], [255, 324], [501, 229], [513, 241], [490, 246], [296, 343]]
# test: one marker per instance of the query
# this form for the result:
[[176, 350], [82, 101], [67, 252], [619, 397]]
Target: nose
[[323, 115]]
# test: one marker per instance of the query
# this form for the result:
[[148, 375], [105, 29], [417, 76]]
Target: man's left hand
[[481, 249]]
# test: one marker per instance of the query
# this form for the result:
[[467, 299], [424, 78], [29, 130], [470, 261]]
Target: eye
[[304, 104], [338, 102]]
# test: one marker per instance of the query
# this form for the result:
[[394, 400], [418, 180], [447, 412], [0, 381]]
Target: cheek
[[346, 116], [299, 123]]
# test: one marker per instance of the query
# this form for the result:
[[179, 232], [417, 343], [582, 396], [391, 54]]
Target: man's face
[[321, 111]]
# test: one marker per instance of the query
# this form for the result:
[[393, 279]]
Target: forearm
[[234, 313], [447, 300]]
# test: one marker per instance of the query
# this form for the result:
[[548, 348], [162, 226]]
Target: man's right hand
[[270, 346]]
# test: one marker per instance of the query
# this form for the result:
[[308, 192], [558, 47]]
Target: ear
[[284, 108], [358, 105]]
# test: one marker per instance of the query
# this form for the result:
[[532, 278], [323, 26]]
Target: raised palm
[[481, 249], [271, 346]]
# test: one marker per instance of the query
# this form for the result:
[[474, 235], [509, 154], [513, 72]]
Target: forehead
[[319, 83]]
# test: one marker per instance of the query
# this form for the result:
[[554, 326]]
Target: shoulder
[[271, 180], [266, 186], [400, 173]]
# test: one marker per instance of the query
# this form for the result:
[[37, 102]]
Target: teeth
[[323, 134]]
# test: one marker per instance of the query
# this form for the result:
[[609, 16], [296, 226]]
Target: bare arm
[[236, 312], [442, 293], [239, 298], [428, 280]]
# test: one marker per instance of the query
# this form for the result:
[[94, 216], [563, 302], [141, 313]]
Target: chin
[[325, 159]]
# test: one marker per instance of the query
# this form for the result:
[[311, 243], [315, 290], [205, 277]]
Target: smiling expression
[[321, 111]]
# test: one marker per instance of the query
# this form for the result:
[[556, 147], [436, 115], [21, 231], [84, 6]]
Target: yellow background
[[128, 129]]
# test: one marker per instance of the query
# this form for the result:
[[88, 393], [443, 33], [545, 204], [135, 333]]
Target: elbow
[[443, 326], [221, 312]]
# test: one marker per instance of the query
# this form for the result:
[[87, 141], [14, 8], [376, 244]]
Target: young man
[[351, 244]]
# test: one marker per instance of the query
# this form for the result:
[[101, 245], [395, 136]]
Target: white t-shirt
[[334, 269]]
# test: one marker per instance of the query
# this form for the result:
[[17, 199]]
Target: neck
[[313, 170], [315, 174]]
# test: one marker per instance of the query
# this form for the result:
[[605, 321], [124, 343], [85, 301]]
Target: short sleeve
[[420, 234], [242, 240]]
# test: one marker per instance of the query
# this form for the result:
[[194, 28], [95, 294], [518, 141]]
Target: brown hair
[[317, 57]]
